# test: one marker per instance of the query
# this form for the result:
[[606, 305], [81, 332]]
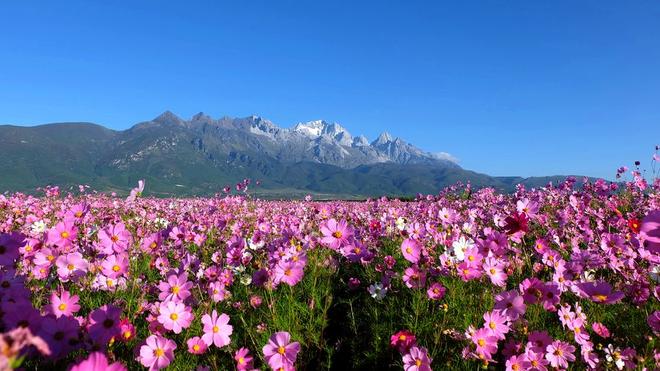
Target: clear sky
[[509, 87]]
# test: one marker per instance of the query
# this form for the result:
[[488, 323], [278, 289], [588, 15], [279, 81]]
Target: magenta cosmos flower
[[114, 266], [436, 291], [175, 316], [336, 234], [417, 359], [496, 323], [243, 359], [114, 238], [559, 354], [177, 288], [64, 305], [403, 340], [288, 272], [216, 329], [71, 266], [62, 235], [97, 361], [485, 342], [599, 292], [411, 250], [157, 352], [650, 231], [280, 352]]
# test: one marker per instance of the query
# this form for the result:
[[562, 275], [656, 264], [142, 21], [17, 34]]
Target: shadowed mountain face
[[202, 155]]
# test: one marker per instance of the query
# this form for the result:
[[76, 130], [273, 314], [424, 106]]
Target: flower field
[[565, 276]]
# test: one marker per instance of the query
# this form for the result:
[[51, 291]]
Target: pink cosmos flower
[[280, 352], [495, 271], [496, 324], [71, 266], [559, 354], [600, 329], [403, 340], [288, 272], [485, 342], [336, 234], [216, 329], [653, 321], [417, 359], [127, 330], [244, 360], [64, 305], [436, 291], [196, 345], [411, 250], [175, 316], [63, 235], [514, 363], [414, 278], [114, 266], [177, 288], [599, 292], [157, 352], [114, 238], [217, 291], [97, 361], [534, 361]]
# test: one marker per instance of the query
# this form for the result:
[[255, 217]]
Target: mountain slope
[[202, 155]]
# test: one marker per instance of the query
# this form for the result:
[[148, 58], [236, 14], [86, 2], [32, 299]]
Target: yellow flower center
[[114, 238], [153, 245], [402, 337], [116, 268], [175, 289], [418, 362], [471, 258], [216, 329], [492, 325], [70, 267], [127, 334], [481, 342], [281, 350], [61, 306], [600, 298], [78, 214], [159, 352], [196, 347], [64, 234], [408, 250], [287, 272], [337, 234], [174, 316], [50, 258], [241, 360], [492, 271]]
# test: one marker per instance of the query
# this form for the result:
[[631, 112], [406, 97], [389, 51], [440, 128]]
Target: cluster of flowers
[[593, 243]]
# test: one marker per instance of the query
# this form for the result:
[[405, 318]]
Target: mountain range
[[201, 155]]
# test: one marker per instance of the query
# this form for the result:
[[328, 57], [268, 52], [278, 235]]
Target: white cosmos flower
[[401, 223], [38, 227], [377, 291], [460, 246]]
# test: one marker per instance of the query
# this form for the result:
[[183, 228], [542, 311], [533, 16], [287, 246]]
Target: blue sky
[[508, 87]]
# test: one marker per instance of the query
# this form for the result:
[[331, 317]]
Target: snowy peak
[[323, 129], [383, 138]]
